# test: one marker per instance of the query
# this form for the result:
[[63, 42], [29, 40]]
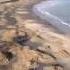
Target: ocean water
[[56, 12]]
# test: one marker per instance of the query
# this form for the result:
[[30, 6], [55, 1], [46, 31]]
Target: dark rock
[[21, 39], [3, 47], [8, 55]]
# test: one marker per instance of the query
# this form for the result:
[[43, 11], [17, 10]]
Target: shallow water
[[57, 11]]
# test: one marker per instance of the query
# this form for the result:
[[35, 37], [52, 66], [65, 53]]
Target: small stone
[[20, 39]]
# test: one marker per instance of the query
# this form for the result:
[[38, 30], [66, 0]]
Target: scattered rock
[[20, 39]]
